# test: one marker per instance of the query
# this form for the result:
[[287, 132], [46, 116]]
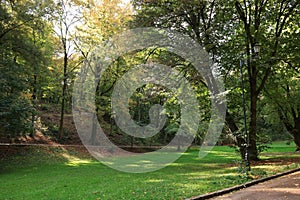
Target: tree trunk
[[296, 136], [296, 131], [64, 87], [253, 153], [62, 112], [93, 139], [33, 100], [239, 139], [34, 95], [292, 128]]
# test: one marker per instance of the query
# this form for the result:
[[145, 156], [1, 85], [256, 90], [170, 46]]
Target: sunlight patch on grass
[[154, 181], [75, 161], [273, 155], [133, 165], [190, 187], [107, 163], [145, 161], [228, 174], [186, 177]]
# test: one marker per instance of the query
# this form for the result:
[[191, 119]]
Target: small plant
[[44, 107], [258, 173], [242, 167], [292, 166]]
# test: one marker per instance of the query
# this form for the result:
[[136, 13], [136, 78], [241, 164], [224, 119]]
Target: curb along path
[[284, 185]]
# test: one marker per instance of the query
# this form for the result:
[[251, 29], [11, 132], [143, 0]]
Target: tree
[[283, 89], [257, 19], [101, 21], [225, 29], [207, 22], [285, 101], [68, 16], [23, 30]]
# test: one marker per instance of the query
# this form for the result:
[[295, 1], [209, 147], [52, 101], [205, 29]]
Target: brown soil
[[277, 161], [70, 134]]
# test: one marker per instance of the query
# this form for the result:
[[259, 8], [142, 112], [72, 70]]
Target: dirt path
[[285, 187]]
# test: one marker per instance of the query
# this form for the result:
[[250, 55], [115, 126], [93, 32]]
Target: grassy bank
[[58, 173]]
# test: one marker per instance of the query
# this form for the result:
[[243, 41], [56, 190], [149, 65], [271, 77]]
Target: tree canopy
[[43, 44]]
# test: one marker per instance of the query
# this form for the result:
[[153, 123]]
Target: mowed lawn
[[57, 173]]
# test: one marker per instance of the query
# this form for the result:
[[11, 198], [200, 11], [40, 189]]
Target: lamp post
[[256, 49], [247, 160]]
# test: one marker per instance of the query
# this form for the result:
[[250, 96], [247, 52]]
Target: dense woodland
[[43, 44]]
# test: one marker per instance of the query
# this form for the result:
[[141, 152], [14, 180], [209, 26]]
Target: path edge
[[241, 186]]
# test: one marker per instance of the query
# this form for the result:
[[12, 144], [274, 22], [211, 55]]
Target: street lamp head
[[256, 48]]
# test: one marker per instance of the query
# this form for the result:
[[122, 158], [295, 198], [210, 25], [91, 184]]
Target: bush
[[15, 115]]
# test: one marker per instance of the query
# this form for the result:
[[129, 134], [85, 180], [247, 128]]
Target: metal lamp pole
[[245, 121], [256, 49]]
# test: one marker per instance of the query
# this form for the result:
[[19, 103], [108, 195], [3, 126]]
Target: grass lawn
[[57, 173]]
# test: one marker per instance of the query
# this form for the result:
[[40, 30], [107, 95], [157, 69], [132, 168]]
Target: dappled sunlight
[[223, 154], [75, 161], [198, 166], [264, 167], [274, 155], [216, 172], [188, 176], [273, 168], [228, 174], [188, 187], [133, 165], [107, 163], [154, 181]]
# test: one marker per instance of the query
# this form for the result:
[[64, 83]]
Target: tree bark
[[253, 153], [93, 139], [33, 100], [297, 131], [296, 136], [250, 41], [240, 141], [292, 128], [64, 87]]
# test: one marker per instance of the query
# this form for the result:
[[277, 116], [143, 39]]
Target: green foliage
[[15, 114], [23, 57], [149, 95], [31, 61]]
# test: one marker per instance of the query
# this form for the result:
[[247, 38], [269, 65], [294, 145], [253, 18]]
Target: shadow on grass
[[17, 157], [66, 173]]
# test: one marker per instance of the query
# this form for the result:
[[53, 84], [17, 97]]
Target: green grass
[[282, 146], [54, 173]]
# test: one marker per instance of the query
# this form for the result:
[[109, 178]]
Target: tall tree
[[207, 22], [20, 49], [264, 22], [67, 18], [283, 89], [285, 101], [239, 24], [102, 19]]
